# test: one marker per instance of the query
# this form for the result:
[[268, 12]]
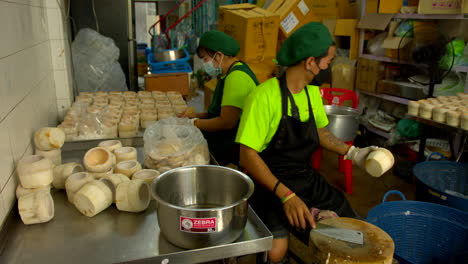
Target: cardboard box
[[177, 81], [372, 6], [375, 21], [345, 28], [394, 45], [293, 14], [397, 48], [390, 6], [264, 70], [254, 28], [335, 8], [440, 7], [369, 73]]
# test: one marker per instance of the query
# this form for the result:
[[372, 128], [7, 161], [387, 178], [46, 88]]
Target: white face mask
[[210, 69]]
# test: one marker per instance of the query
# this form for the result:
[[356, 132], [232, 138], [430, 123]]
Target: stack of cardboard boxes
[[256, 30], [261, 32]]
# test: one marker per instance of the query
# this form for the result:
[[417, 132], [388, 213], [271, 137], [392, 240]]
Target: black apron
[[222, 143], [288, 157]]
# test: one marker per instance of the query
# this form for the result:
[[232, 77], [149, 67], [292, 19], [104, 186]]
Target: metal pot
[[201, 206], [344, 122], [168, 55]]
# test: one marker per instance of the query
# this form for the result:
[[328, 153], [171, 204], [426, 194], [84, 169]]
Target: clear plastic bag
[[173, 143], [95, 62]]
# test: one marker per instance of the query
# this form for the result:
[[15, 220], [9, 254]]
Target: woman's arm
[[203, 115], [228, 120]]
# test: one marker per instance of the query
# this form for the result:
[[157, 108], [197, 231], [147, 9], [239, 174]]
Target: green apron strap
[[214, 109]]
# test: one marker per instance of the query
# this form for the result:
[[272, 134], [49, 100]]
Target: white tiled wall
[[33, 62]]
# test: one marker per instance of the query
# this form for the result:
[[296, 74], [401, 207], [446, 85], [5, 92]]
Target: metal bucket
[[201, 206], [344, 122]]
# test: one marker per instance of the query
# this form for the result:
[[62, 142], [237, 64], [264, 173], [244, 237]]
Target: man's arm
[[332, 143], [296, 211], [256, 167]]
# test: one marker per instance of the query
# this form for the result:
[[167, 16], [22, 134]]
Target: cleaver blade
[[352, 236]]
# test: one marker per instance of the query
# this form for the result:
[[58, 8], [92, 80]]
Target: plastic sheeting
[[95, 62]]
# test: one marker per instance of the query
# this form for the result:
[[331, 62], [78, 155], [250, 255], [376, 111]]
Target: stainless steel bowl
[[168, 55], [344, 122], [200, 206]]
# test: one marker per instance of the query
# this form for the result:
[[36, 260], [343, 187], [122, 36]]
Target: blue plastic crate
[[179, 65]]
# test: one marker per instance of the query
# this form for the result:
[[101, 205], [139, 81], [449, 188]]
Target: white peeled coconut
[[20, 191], [49, 138], [111, 145], [35, 171], [62, 172], [125, 153], [128, 167], [93, 198], [379, 161], [36, 207], [75, 182], [99, 175], [148, 175], [98, 159], [132, 196], [117, 178], [54, 155]]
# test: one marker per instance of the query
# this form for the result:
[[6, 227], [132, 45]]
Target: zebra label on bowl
[[198, 225]]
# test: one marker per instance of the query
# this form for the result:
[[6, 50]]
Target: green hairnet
[[311, 40], [219, 41]]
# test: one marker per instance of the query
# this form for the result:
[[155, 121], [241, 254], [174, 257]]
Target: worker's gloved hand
[[190, 113], [192, 121], [359, 155]]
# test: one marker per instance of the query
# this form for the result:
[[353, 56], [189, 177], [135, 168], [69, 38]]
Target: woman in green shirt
[[235, 82]]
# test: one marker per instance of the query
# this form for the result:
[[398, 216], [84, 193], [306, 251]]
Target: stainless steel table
[[112, 236]]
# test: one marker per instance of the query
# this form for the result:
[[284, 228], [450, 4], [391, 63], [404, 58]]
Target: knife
[[352, 236]]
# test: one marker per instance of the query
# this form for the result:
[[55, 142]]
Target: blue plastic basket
[[443, 182], [423, 232], [179, 65]]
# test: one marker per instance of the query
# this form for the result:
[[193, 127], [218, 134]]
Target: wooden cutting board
[[378, 246]]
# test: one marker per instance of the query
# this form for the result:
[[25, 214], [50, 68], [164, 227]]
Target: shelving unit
[[423, 16], [404, 101], [387, 97], [463, 69], [376, 130]]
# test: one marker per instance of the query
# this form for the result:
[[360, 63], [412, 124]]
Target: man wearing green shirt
[[282, 124], [235, 82]]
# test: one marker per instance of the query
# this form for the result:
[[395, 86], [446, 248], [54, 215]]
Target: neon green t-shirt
[[237, 87], [262, 113]]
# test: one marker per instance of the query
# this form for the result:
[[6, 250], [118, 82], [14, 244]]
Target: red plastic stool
[[337, 96]]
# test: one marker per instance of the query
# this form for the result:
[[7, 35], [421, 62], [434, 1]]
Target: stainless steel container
[[168, 55], [200, 206], [344, 122]]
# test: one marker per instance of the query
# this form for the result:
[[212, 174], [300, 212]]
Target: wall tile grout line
[[14, 170], [24, 97], [25, 4], [16, 52]]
